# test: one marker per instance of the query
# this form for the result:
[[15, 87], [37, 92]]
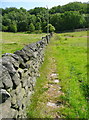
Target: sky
[[30, 4]]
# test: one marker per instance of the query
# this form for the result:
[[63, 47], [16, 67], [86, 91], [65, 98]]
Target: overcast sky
[[29, 4]]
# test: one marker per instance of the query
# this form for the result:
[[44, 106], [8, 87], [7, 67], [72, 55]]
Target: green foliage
[[31, 27], [71, 60], [44, 24], [6, 21], [4, 28], [71, 20], [37, 10], [35, 108], [32, 19], [72, 6], [16, 41], [38, 31], [22, 26], [50, 27], [13, 27], [67, 17], [68, 21], [56, 9], [73, 74], [0, 26], [38, 26]]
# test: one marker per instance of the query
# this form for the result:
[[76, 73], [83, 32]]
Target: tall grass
[[10, 42], [70, 54], [39, 99]]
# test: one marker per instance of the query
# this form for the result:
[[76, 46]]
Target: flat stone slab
[[54, 75], [56, 81], [51, 104], [59, 88]]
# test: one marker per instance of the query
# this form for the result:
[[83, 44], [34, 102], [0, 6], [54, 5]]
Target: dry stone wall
[[18, 73]]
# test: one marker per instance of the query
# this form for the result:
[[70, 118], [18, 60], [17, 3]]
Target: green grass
[[75, 34], [70, 54], [34, 110], [11, 42], [71, 58]]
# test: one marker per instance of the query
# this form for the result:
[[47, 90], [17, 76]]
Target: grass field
[[69, 50], [70, 53], [10, 42], [72, 62]]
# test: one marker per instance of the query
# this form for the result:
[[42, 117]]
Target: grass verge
[[70, 54], [34, 110], [10, 42]]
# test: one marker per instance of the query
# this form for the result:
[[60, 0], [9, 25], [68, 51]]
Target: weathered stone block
[[21, 72], [13, 113], [16, 79], [18, 89], [24, 82], [22, 54], [20, 97], [9, 66], [5, 109], [1, 84], [4, 95], [33, 46], [11, 60], [13, 100], [33, 79], [16, 57], [5, 78]]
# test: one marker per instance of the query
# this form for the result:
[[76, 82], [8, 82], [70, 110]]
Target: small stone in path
[[54, 74], [56, 81], [51, 104], [59, 88]]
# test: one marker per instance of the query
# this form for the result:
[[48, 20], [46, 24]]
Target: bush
[[38, 26], [38, 31], [28, 32], [50, 27], [4, 28], [31, 27], [13, 28]]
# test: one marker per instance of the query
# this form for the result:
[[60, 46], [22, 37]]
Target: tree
[[38, 26], [58, 24], [22, 9], [4, 28], [31, 19], [50, 27], [5, 20], [8, 10], [31, 27], [38, 19], [37, 10], [13, 27], [67, 17], [44, 25], [0, 22], [22, 26], [71, 20], [72, 6], [56, 9]]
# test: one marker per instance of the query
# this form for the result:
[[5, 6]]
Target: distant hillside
[[73, 6], [67, 17]]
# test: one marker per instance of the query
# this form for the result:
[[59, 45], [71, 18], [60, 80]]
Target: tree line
[[67, 17]]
